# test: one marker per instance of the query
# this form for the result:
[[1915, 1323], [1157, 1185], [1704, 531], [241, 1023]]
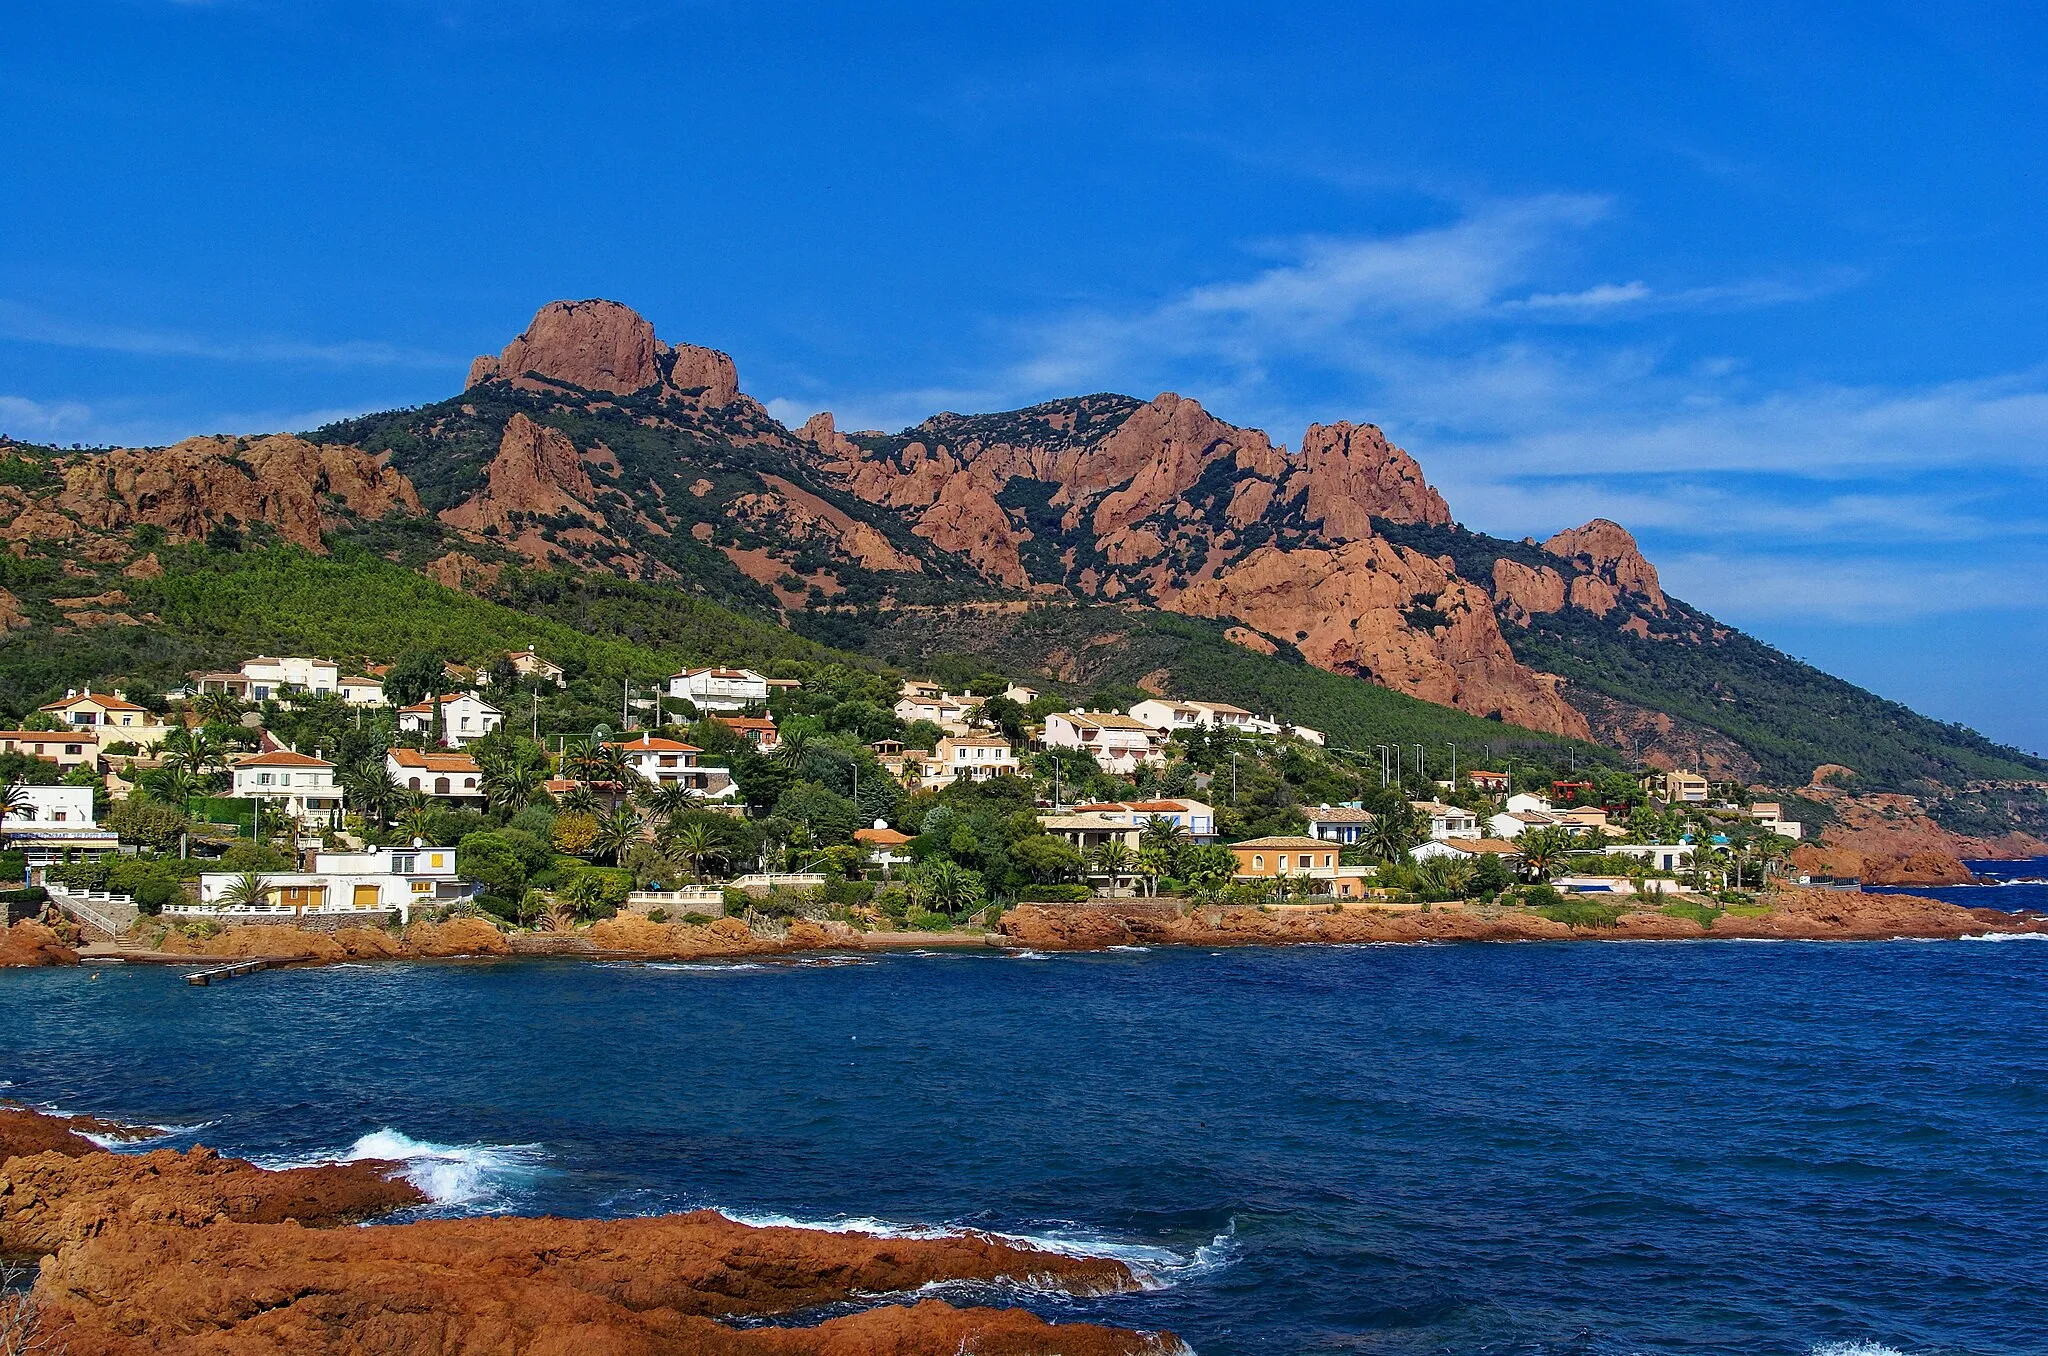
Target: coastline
[[1800, 914], [167, 1251]]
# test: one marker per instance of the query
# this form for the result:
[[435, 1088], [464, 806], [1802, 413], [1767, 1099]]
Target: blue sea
[[2011, 886], [1587, 1148]]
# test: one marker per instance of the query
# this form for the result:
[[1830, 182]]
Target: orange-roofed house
[[302, 786], [113, 718], [756, 730], [453, 777], [670, 762], [66, 748], [1118, 742], [884, 845]]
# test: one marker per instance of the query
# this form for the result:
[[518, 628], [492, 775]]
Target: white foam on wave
[[1153, 1266], [1029, 955], [702, 967], [471, 1177], [1127, 948], [1855, 1348], [2006, 937]]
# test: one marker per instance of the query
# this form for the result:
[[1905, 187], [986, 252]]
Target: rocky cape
[[167, 1252]]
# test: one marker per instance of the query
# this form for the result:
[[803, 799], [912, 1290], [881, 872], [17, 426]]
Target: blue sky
[[1763, 283]]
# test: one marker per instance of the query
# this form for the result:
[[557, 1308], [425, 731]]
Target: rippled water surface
[[1638, 1147]]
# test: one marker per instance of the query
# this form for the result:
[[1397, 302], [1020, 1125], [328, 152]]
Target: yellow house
[[112, 718]]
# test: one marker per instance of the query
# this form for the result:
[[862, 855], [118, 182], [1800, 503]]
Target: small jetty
[[235, 970]]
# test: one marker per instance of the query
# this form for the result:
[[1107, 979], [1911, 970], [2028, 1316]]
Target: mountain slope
[[590, 449]]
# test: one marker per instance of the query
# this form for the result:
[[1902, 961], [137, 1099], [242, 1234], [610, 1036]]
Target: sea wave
[[1127, 948], [1154, 1266], [472, 1178], [2006, 937], [1856, 1348], [1029, 955], [702, 967]]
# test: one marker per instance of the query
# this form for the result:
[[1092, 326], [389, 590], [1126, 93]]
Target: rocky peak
[[1615, 568], [604, 346], [1355, 475]]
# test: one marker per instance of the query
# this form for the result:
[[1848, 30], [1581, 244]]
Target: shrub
[[1582, 913], [13, 866], [657, 914], [924, 920], [1703, 914], [697, 920]]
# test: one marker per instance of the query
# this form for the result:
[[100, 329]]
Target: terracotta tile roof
[[650, 744], [881, 837], [1290, 841], [1337, 814], [102, 699], [435, 762], [282, 758]]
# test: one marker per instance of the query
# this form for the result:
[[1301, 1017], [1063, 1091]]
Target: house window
[[1326, 859], [438, 859], [263, 779], [72, 749], [1258, 861], [412, 783], [404, 864]]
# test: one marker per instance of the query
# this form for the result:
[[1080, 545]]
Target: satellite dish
[[601, 735]]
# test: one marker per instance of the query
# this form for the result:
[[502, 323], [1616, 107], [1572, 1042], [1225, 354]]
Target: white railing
[[689, 894], [81, 905], [769, 880], [273, 910]]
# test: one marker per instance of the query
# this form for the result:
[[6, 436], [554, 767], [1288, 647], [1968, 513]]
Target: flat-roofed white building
[[51, 821], [393, 879], [1118, 742], [720, 689]]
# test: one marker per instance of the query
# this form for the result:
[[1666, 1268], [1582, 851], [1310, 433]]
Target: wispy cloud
[[26, 325], [42, 421]]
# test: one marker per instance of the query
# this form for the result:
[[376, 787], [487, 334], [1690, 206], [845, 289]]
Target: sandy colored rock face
[[193, 1253], [536, 471], [28, 944], [1617, 568], [1815, 915], [191, 487], [51, 1200], [1355, 475], [1355, 610], [603, 346]]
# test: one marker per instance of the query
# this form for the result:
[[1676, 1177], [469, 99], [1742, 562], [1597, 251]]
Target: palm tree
[[218, 708], [195, 751], [171, 785], [1544, 851], [512, 781], [373, 790], [13, 798], [1154, 860], [1390, 835], [416, 819], [1169, 836], [247, 891], [580, 798], [669, 799], [1445, 877], [1210, 867], [791, 749], [944, 887], [618, 831], [696, 844], [1114, 858]]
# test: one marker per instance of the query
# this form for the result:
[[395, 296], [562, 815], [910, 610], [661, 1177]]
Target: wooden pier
[[236, 970]]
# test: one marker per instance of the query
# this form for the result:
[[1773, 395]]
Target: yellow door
[[366, 897]]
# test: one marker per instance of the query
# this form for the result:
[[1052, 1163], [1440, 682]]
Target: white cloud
[[40, 421], [25, 325]]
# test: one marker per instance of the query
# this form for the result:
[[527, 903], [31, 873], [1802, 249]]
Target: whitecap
[[475, 1177], [1858, 1347], [2006, 937], [703, 967], [1029, 955], [1153, 1267], [1127, 948]]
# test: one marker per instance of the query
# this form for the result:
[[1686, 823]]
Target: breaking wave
[[472, 1178]]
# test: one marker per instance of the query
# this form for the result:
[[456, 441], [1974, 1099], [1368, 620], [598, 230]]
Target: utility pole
[[1421, 772], [1233, 776], [536, 715], [1454, 766]]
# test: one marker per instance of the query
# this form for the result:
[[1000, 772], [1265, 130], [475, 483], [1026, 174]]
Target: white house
[[113, 719], [949, 713], [670, 762], [51, 821], [715, 689], [975, 757], [1657, 856], [528, 664], [360, 689], [1515, 823], [1770, 817], [884, 845], [464, 717], [1167, 715], [1222, 715], [302, 787], [1308, 736], [1525, 802], [1118, 742], [397, 879], [268, 676], [1021, 694], [1337, 823], [1465, 849], [453, 777], [1447, 821]]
